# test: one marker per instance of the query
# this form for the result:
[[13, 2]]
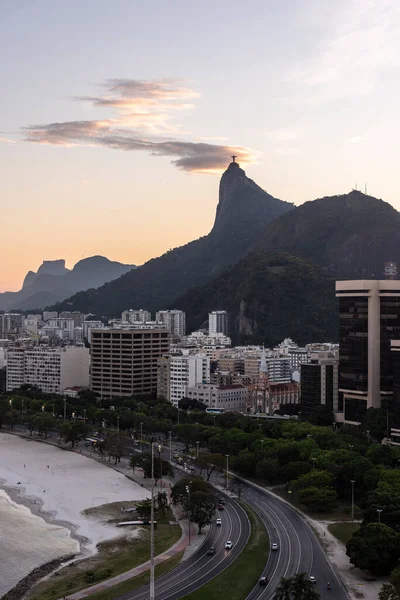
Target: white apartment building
[[186, 371], [218, 322], [135, 316], [87, 326], [11, 324], [65, 327], [228, 397], [51, 369], [174, 321], [199, 339]]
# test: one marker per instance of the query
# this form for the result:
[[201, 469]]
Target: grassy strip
[[114, 557], [343, 531], [340, 513], [139, 580], [237, 581]]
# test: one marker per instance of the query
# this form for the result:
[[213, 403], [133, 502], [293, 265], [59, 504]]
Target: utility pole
[[141, 438], [352, 499], [152, 525], [170, 446], [188, 492], [118, 425], [159, 456], [197, 449], [379, 510], [227, 470], [65, 409]]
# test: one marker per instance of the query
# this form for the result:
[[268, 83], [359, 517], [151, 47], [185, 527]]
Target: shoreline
[[25, 585], [34, 502]]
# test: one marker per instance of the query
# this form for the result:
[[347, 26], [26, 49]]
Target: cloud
[[7, 141], [361, 41], [143, 109]]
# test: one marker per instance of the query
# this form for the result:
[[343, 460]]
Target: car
[[176, 455], [221, 506], [312, 579], [263, 581], [222, 501], [274, 546], [228, 545], [218, 522], [211, 550]]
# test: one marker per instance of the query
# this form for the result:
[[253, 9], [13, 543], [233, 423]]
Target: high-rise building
[[174, 321], [186, 370], [319, 382], [136, 316], [49, 314], [218, 322], [51, 369], [11, 325], [124, 361], [226, 397], [369, 318]]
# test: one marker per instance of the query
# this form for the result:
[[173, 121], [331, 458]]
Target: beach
[[44, 491]]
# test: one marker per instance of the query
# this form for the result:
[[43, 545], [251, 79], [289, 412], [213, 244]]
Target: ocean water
[[27, 541]]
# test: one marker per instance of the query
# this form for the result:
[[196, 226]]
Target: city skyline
[[113, 117]]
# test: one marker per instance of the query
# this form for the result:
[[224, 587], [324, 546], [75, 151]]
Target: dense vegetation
[[269, 296], [316, 466]]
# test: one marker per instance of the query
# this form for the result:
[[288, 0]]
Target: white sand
[[65, 483]]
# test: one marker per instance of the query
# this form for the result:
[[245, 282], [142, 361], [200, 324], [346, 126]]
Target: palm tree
[[284, 589], [302, 588]]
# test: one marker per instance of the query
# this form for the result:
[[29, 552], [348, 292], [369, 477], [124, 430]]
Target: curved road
[[298, 548], [200, 567]]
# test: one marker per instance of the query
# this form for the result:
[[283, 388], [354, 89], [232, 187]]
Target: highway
[[299, 551], [200, 568]]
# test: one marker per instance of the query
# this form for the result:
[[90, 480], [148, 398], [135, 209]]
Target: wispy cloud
[[363, 43], [6, 140], [357, 139], [143, 113]]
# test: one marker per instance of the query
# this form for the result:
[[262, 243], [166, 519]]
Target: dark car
[[263, 580], [211, 551], [222, 501], [221, 506]]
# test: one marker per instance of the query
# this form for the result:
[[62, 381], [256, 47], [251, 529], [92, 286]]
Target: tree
[[202, 508], [73, 431], [375, 420], [298, 587], [44, 423], [143, 461], [143, 508], [388, 592], [191, 404], [210, 462], [162, 502], [318, 499], [315, 478], [374, 548], [179, 494], [388, 502]]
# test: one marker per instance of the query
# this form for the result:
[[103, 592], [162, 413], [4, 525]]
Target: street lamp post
[[141, 438], [53, 409], [352, 481], [179, 413], [170, 446], [22, 407], [159, 456], [65, 409], [379, 510], [197, 449], [117, 424], [152, 525], [314, 460], [227, 470], [188, 493], [84, 415]]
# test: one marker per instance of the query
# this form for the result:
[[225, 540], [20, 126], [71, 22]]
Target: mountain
[[53, 282], [269, 296], [243, 212], [351, 235], [285, 285]]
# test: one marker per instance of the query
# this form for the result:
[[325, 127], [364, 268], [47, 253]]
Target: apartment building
[[319, 382], [174, 321], [218, 322], [124, 361], [186, 370], [227, 397], [135, 316], [51, 369]]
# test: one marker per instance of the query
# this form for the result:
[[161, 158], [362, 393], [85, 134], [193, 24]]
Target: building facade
[[174, 321], [50, 369], [369, 318], [136, 316], [227, 397], [186, 370], [124, 361], [218, 322], [319, 383]]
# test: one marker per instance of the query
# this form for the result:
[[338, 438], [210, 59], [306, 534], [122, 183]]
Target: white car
[[312, 579], [218, 522], [274, 546], [228, 545]]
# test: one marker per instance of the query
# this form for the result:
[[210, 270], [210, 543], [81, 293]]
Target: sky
[[118, 118]]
